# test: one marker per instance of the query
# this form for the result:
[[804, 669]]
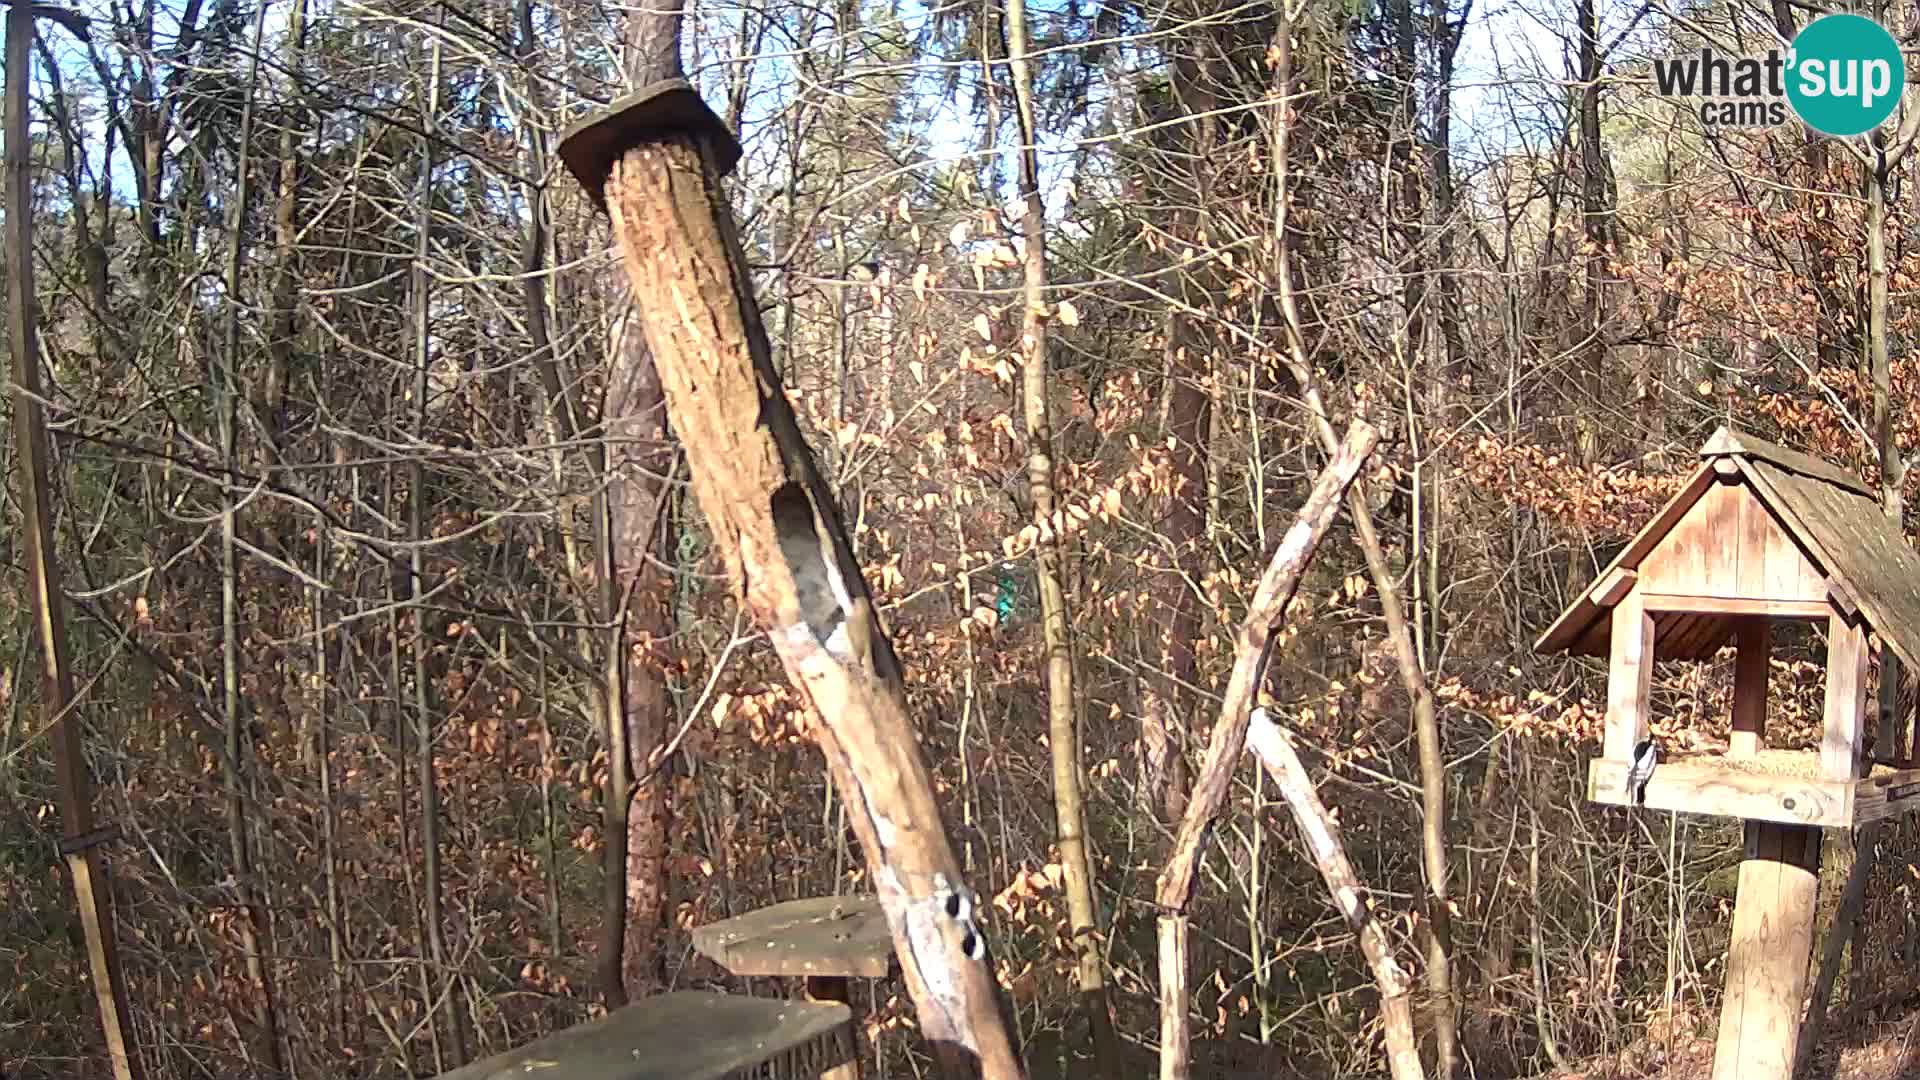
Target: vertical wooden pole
[[839, 988], [1754, 640], [1629, 675], [1846, 708], [1767, 960], [86, 863]]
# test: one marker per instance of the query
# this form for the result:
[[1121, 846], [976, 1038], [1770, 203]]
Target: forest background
[[363, 646]]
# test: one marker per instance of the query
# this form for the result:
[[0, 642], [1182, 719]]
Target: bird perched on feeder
[[1640, 770]]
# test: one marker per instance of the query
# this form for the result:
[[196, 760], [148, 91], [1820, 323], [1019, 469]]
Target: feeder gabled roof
[[1834, 520]]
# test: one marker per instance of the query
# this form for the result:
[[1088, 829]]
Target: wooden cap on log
[[655, 111], [826, 935]]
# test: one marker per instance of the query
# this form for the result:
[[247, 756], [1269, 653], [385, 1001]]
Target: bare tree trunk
[[1830, 333], [1893, 469], [329, 824], [1433, 785], [1846, 918], [1063, 728], [639, 455], [286, 216], [1593, 219], [445, 979], [1165, 721], [1426, 726], [1542, 1003], [253, 928], [1449, 346], [1274, 749], [86, 867]]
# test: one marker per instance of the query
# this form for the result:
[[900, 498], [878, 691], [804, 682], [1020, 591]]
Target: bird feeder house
[[1758, 535]]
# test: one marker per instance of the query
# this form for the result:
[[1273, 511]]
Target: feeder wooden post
[[1767, 959], [1846, 706], [1629, 677], [1754, 642]]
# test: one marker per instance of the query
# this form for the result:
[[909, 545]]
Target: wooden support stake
[[836, 988], [86, 863], [1754, 638], [1767, 960], [1629, 678], [1844, 727]]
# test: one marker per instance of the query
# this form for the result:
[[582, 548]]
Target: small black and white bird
[[1640, 770]]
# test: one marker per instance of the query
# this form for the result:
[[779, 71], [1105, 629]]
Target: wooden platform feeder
[[824, 940], [683, 1036], [1758, 534]]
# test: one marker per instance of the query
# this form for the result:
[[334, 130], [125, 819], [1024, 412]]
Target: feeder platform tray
[[1776, 785], [824, 935], [683, 1036]]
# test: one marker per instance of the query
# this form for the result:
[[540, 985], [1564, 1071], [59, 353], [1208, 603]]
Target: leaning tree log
[[1253, 648], [654, 161]]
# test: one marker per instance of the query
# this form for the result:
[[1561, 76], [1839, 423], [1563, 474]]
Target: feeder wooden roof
[[1757, 530]]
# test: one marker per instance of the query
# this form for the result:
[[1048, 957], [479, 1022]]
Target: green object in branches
[[1003, 601]]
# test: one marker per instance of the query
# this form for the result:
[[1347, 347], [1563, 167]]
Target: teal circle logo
[[1845, 75]]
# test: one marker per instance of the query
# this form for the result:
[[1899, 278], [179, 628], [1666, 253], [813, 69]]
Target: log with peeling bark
[[1274, 749], [1277, 585], [655, 164]]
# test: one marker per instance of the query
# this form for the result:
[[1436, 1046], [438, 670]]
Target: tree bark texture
[[1063, 727], [788, 557], [639, 457]]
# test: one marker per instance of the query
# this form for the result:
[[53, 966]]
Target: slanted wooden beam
[[1321, 834], [1754, 642], [1844, 725], [34, 473], [1612, 586], [1767, 959], [1629, 678], [1252, 650]]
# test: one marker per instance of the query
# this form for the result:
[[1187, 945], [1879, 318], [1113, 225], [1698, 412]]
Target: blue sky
[[1505, 41]]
